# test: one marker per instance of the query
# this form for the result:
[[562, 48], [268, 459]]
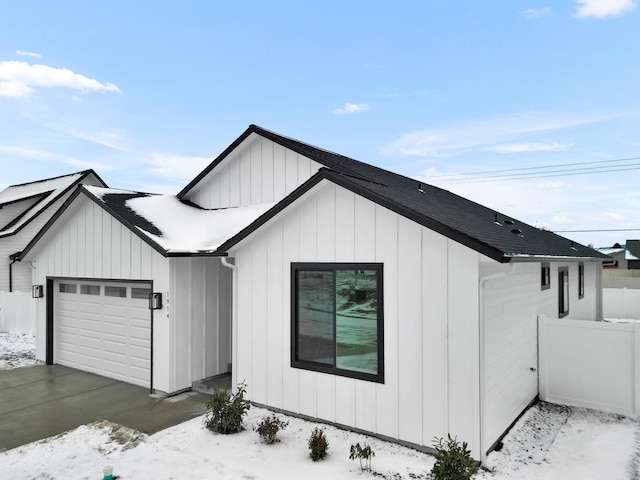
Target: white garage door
[[104, 328]]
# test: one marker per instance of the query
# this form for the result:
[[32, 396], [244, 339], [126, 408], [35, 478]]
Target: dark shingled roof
[[633, 247], [489, 232], [116, 202]]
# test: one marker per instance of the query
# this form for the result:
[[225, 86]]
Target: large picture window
[[337, 319]]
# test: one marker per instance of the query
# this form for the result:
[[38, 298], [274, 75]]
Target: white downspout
[[481, 285], [234, 315]]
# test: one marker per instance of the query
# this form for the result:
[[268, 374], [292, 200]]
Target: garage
[[103, 328]]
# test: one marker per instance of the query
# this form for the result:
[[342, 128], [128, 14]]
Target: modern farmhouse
[[337, 290]]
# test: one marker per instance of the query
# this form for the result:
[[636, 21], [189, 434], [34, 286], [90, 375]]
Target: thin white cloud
[[529, 147], [35, 154], [536, 12], [487, 133], [176, 166], [351, 108], [603, 8], [552, 185], [113, 140], [28, 54], [18, 79]]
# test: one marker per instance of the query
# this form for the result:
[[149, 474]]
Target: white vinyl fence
[[590, 364], [621, 303], [17, 312]]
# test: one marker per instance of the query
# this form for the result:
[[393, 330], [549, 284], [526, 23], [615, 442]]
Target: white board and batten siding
[[258, 171], [430, 320], [510, 379], [201, 307], [11, 244], [88, 243]]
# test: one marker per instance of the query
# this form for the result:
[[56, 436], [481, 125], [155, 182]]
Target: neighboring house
[[342, 292], [624, 257], [621, 271], [24, 209]]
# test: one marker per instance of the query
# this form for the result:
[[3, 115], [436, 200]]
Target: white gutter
[[481, 285], [234, 315], [225, 262]]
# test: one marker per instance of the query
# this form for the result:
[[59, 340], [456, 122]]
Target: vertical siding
[[332, 224], [511, 307], [201, 306], [258, 171], [69, 250]]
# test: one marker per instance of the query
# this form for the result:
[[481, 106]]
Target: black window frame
[[580, 280], [563, 294], [545, 276], [321, 367]]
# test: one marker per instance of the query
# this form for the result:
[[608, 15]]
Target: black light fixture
[[155, 301], [37, 291]]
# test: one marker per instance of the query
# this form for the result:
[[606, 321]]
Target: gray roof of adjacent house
[[38, 196]]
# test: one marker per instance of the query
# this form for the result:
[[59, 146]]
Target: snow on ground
[[17, 350], [548, 442]]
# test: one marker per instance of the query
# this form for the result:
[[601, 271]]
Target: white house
[[24, 209], [337, 290]]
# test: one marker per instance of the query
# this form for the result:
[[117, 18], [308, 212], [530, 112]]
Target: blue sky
[[148, 93]]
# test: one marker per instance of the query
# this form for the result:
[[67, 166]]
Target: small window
[[563, 292], [111, 291], [67, 288], [140, 293], [90, 289], [337, 319], [545, 276], [580, 280]]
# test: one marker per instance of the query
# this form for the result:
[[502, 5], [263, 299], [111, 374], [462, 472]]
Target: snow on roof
[[190, 229], [18, 192], [180, 227], [51, 188]]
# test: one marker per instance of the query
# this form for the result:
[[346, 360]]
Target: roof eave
[[82, 190]]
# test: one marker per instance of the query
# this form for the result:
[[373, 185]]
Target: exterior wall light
[[155, 301], [37, 291]]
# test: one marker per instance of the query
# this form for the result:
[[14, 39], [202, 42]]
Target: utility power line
[[557, 170], [600, 230]]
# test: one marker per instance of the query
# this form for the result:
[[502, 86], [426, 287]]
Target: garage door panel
[[105, 334]]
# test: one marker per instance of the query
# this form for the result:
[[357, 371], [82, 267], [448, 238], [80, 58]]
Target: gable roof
[[632, 250], [44, 192], [491, 233], [170, 226]]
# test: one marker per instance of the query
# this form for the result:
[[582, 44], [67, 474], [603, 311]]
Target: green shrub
[[225, 410], [269, 427], [362, 453], [453, 460], [318, 444]]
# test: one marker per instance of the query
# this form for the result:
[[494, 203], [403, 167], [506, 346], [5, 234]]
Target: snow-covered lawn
[[549, 442], [17, 350]]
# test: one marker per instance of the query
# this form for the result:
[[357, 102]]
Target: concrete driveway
[[41, 401]]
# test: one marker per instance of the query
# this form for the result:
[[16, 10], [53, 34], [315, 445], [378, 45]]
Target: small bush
[[362, 453], [318, 444], [225, 410], [453, 460], [269, 427]]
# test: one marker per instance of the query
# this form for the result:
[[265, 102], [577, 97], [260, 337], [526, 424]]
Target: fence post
[[636, 368]]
